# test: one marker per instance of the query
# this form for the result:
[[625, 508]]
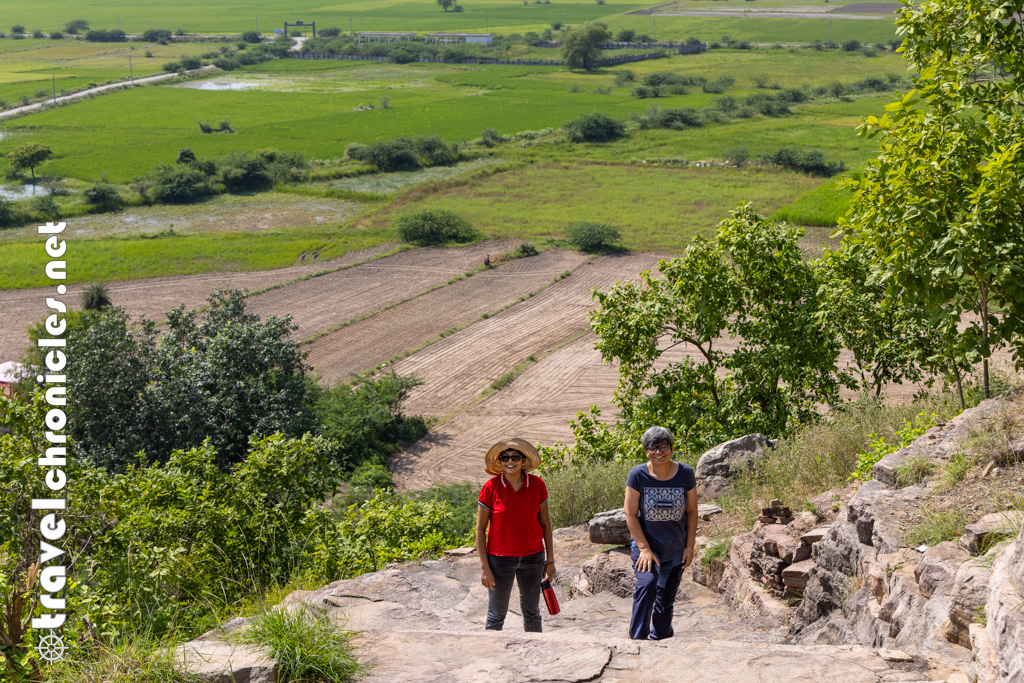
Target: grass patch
[[576, 494], [508, 377], [955, 470], [822, 206], [935, 526], [139, 658], [914, 471], [716, 550], [306, 644]]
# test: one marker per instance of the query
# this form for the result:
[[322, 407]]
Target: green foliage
[[241, 172], [446, 4], [176, 185], [155, 35], [461, 500], [575, 494], [751, 284], [581, 48], [137, 390], [139, 658], [955, 470], [434, 227], [812, 162], [672, 119], [104, 195], [716, 550], [306, 644], [592, 237], [106, 36], [882, 446], [938, 213], [372, 475], [914, 471], [936, 525], [491, 137], [96, 297], [251, 37], [8, 213], [28, 155], [524, 250], [76, 26], [47, 207], [405, 154], [594, 127]]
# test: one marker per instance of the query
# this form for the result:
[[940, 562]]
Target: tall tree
[[582, 48], [29, 155], [938, 213]]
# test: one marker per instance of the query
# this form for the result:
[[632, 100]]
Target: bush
[[405, 154], [56, 35], [434, 227], [625, 36], [402, 56], [8, 214], [330, 32], [813, 162], [461, 500], [47, 207], [851, 45], [104, 36], [226, 64], [18, 29], [372, 475], [575, 494], [176, 185], [172, 67], [589, 237], [595, 127], [675, 119], [491, 137], [96, 297], [76, 26], [251, 37], [189, 63], [738, 156], [624, 77], [243, 172], [103, 195], [155, 35]]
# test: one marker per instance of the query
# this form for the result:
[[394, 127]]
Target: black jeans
[[528, 572]]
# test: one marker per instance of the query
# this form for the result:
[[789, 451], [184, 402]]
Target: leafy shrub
[[155, 35], [38, 34], [737, 156], [17, 29], [103, 194], [76, 26], [626, 35], [587, 236], [56, 35], [105, 36], [718, 86], [880, 446], [226, 64], [251, 37], [8, 214], [575, 494], [434, 227], [402, 56], [490, 137], [330, 32], [851, 45], [47, 206], [676, 119], [172, 67], [405, 154], [372, 475], [190, 63], [95, 297], [176, 185], [242, 172], [524, 250], [624, 77], [768, 105], [595, 127], [812, 162]]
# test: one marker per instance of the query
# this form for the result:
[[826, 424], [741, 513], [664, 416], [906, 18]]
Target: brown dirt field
[[151, 297], [458, 368], [383, 336], [320, 303], [537, 406]]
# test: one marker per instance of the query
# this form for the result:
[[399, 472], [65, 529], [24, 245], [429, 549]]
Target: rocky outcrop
[[989, 530], [610, 527], [1005, 612], [720, 463]]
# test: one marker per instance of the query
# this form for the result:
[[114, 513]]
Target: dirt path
[[375, 340], [151, 297], [320, 303]]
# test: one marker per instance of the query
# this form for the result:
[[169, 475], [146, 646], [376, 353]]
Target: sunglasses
[[514, 457]]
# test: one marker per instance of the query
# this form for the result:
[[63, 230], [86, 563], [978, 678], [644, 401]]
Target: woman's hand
[[646, 560], [687, 557], [549, 571], [487, 578]]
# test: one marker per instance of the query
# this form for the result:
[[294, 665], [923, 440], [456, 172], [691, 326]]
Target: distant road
[[101, 88]]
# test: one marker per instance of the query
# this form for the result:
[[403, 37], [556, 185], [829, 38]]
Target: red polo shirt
[[514, 530]]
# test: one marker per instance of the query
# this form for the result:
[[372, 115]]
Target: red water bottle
[[549, 597]]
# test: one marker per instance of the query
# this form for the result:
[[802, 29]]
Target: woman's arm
[[691, 527], [483, 516], [632, 508], [549, 543]]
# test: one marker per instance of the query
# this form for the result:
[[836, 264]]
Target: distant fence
[[610, 61], [682, 48]]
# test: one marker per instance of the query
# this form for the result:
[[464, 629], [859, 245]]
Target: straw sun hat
[[531, 462]]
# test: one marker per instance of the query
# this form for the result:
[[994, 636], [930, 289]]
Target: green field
[[309, 107]]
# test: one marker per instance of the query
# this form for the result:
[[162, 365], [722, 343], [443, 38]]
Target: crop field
[[660, 207], [319, 303], [154, 297], [106, 135], [367, 343], [457, 369]]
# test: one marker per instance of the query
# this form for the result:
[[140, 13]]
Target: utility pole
[[257, 18], [131, 73], [655, 29], [54, 79], [830, 29], [350, 25], [118, 22]]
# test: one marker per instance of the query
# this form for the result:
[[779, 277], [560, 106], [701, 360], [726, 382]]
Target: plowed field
[[320, 303], [376, 339], [151, 297]]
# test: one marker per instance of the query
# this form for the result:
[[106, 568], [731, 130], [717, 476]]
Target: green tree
[[938, 213], [29, 155], [446, 4], [582, 48], [76, 26]]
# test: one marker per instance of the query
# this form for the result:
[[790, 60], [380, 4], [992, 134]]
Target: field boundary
[[327, 271], [611, 61]]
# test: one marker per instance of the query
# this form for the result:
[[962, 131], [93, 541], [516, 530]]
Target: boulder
[[814, 535], [1004, 616], [609, 527], [989, 530], [779, 542], [796, 576], [215, 661], [610, 571], [720, 463], [939, 563]]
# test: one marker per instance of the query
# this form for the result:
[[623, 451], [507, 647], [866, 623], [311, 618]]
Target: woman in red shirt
[[515, 506]]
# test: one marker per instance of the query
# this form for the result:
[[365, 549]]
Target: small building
[[383, 36], [452, 38], [10, 373]]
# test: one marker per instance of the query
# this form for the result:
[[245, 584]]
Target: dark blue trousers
[[653, 606]]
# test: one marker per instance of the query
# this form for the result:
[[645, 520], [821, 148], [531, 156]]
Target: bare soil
[[151, 297], [320, 303], [375, 340]]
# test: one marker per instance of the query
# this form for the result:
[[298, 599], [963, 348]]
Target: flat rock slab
[[432, 657], [219, 662]]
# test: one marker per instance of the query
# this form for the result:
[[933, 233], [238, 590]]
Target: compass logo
[[51, 648]]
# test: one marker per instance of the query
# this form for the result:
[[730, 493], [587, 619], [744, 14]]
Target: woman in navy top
[[661, 513]]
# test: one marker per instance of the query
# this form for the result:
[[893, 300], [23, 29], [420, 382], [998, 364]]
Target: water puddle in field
[[15, 192], [384, 183], [221, 85]]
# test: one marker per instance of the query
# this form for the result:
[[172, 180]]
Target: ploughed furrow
[[374, 340], [536, 406], [458, 368], [151, 297], [322, 302]]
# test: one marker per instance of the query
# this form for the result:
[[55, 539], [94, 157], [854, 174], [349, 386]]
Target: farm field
[[107, 136], [155, 296], [367, 343], [319, 303], [458, 368]]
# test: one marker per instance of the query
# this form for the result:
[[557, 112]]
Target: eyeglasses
[[514, 457], [664, 448]]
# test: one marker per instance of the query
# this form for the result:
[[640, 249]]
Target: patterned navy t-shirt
[[663, 508]]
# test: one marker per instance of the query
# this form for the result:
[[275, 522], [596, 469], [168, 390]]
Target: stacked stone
[[777, 558]]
